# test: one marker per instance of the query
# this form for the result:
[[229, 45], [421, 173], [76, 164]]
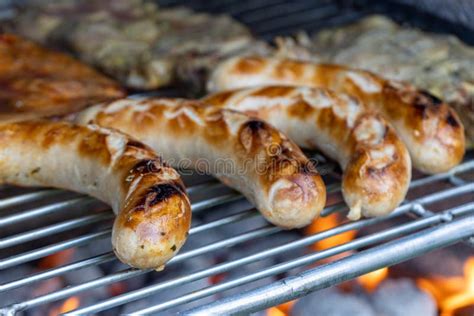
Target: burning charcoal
[[244, 271], [465, 311], [242, 226], [182, 268], [332, 302], [255, 247], [19, 294], [453, 259], [401, 297], [169, 294], [203, 239], [84, 275], [263, 244], [225, 210], [170, 272], [129, 284], [99, 246]]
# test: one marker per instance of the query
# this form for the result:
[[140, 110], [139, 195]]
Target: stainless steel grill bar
[[28, 197], [223, 199], [58, 271], [52, 229], [48, 250], [207, 186], [35, 254], [342, 270], [468, 165], [108, 256], [46, 210]]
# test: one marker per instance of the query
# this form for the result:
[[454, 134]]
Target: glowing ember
[[281, 310], [56, 259], [117, 288], [371, 280], [68, 305], [215, 279], [325, 223], [275, 311], [451, 293]]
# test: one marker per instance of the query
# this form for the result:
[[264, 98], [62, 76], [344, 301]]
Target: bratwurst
[[245, 153], [430, 129], [376, 163], [148, 197]]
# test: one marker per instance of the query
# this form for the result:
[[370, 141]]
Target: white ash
[[401, 297], [169, 294], [332, 302]]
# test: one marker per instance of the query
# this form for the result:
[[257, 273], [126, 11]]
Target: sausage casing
[[148, 197], [430, 129], [245, 153], [376, 164]]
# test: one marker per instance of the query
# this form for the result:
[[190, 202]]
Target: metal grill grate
[[439, 212], [449, 226]]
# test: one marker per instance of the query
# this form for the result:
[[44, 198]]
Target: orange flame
[[325, 223], [68, 305], [451, 293], [281, 310], [371, 280], [275, 311], [317, 226]]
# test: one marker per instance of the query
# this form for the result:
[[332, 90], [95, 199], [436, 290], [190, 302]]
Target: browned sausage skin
[[430, 129], [270, 170], [148, 197], [376, 164]]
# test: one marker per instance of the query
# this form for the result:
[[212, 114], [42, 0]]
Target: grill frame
[[390, 247]]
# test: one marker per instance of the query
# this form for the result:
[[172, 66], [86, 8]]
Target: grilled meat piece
[[37, 82], [441, 64], [136, 42]]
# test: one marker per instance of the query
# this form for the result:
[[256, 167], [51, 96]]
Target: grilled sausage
[[244, 153], [148, 197], [376, 164], [430, 129]]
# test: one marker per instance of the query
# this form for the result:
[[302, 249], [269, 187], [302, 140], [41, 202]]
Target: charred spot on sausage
[[159, 193], [137, 144], [255, 126], [451, 120], [425, 100], [147, 166], [431, 98]]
